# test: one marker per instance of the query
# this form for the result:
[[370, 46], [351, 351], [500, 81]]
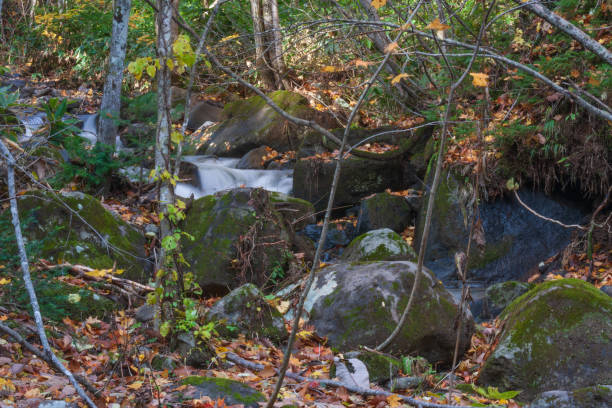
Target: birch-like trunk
[[111, 99], [278, 62], [261, 62]]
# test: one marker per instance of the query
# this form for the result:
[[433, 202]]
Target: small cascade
[[217, 174]]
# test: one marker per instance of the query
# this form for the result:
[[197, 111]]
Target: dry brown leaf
[[391, 47], [378, 3], [437, 25]]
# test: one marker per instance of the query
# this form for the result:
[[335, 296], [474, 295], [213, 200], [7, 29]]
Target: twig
[[25, 268], [580, 227]]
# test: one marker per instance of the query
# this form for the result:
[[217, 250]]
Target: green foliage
[[9, 255], [490, 392], [9, 125]]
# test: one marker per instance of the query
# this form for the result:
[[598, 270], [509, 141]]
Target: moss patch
[[233, 392]]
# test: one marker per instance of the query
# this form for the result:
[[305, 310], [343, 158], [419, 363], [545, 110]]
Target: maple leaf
[[437, 25], [378, 3], [394, 400], [479, 79]]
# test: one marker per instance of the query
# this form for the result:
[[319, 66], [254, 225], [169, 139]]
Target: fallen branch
[[332, 383], [28, 346], [534, 212]]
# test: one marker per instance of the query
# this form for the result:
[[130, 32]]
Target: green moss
[[490, 253], [235, 391]]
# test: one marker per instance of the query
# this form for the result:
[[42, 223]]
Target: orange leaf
[[437, 25], [479, 79], [391, 47], [378, 3], [398, 78]]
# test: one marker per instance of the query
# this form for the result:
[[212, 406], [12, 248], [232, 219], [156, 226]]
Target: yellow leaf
[[479, 79], [304, 334], [135, 385], [170, 64], [230, 37], [394, 400], [391, 47], [329, 68], [378, 3], [98, 273], [151, 70], [437, 25], [398, 78], [4, 281]]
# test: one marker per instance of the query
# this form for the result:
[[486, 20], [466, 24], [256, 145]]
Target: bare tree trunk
[[568, 28], [1, 23], [278, 61], [164, 124], [32, 11], [111, 99], [175, 27], [27, 279], [260, 47]]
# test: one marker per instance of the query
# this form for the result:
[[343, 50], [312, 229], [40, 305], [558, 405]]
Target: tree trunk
[[568, 28], [111, 99], [278, 61], [261, 62], [175, 27]]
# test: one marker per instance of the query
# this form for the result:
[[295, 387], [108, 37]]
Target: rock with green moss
[[515, 240], [599, 396], [74, 227], [192, 350], [556, 336], [296, 212], [385, 210], [381, 367], [361, 304], [378, 245], [312, 179], [58, 299], [500, 295], [238, 238], [250, 123], [245, 310], [230, 391]]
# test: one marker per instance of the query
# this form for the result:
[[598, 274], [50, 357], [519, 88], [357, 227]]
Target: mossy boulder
[[58, 299], [500, 295], [83, 232], [599, 396], [230, 391], [245, 310], [312, 179], [378, 245], [515, 239], [381, 367], [556, 336], [250, 123], [384, 210], [297, 212], [361, 304], [238, 238]]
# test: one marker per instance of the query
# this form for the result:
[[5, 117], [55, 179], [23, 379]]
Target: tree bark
[[274, 43], [568, 28], [111, 99], [261, 60]]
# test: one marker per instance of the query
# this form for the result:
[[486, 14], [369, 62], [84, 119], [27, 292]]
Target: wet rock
[[254, 159], [230, 391], [599, 396], [380, 366], [312, 179], [145, 313], [498, 296], [76, 228], [360, 304], [378, 245], [516, 240], [385, 210], [246, 311], [556, 336], [203, 112], [247, 124]]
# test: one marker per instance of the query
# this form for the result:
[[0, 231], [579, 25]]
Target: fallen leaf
[[479, 79], [398, 78], [378, 3], [437, 25]]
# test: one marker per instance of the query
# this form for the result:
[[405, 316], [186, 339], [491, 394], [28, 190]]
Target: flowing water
[[217, 174]]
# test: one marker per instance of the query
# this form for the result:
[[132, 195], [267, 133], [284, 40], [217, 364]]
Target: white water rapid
[[217, 174]]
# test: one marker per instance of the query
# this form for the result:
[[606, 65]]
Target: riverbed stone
[[232, 392], [384, 210], [598, 396], [74, 227], [516, 241], [245, 310], [250, 123], [378, 245], [254, 159], [218, 223], [498, 296], [361, 304], [381, 367], [556, 336]]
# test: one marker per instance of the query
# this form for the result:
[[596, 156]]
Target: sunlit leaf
[[479, 79], [378, 3], [437, 25], [396, 79]]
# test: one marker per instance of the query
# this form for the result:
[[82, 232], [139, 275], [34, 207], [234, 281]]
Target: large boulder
[[232, 393], [245, 310], [361, 304], [385, 210], [556, 336], [250, 123], [74, 227], [379, 245], [312, 179], [203, 112], [238, 238], [599, 396], [516, 240], [498, 296]]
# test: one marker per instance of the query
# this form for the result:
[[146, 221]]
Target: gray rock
[[145, 313], [380, 366], [599, 396], [379, 245], [254, 159], [192, 351], [246, 310], [352, 371], [384, 210], [405, 383], [498, 296], [203, 112], [556, 336], [360, 304], [55, 404], [607, 289]]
